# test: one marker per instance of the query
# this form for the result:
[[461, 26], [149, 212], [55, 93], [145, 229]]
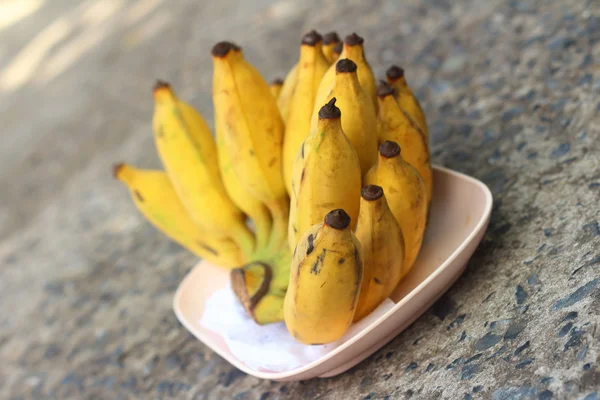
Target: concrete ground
[[511, 91]]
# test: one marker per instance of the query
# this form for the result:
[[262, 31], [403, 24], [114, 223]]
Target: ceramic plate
[[460, 213]]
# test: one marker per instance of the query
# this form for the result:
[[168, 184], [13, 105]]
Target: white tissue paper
[[269, 347]]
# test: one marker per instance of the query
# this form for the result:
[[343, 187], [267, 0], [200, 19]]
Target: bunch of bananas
[[314, 190]]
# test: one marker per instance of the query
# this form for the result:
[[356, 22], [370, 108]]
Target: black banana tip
[[337, 49], [221, 49], [354, 40], [345, 65], [389, 149], [116, 169], [160, 84], [331, 37], [330, 111], [371, 192], [312, 38], [385, 89], [337, 219], [394, 73], [277, 81]]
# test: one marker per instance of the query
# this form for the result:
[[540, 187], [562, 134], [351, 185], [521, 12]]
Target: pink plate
[[460, 213]]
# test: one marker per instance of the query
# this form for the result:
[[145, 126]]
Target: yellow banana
[[325, 281], [287, 90], [252, 129], [359, 118], [187, 150], [407, 100], [155, 197], [383, 250], [326, 175], [312, 66], [330, 40], [397, 126], [275, 87], [405, 194], [337, 50], [353, 50]]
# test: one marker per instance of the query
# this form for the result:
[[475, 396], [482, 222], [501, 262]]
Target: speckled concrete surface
[[511, 90]]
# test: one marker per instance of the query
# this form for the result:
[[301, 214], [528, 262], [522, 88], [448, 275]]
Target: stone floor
[[510, 89]]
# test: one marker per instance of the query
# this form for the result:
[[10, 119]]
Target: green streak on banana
[[383, 250], [406, 98], [154, 196], [326, 176], [353, 49], [188, 152], [406, 196], [252, 130], [311, 67], [325, 281], [359, 118], [395, 125]]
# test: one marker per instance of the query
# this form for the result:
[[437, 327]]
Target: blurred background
[[509, 88]]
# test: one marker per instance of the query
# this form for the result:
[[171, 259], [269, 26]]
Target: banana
[[327, 175], [330, 40], [325, 281], [337, 50], [406, 195], [276, 86], [383, 250], [287, 90], [188, 152], [312, 66], [407, 100], [359, 118], [397, 126], [252, 129], [155, 197], [253, 208], [353, 49]]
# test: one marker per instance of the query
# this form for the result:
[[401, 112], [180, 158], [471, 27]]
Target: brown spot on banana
[[311, 245], [316, 268], [341, 261], [138, 195], [207, 248]]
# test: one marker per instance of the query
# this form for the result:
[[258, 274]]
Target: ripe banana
[[155, 197], [407, 100], [330, 40], [287, 90], [395, 125], [359, 118], [325, 281], [405, 194], [326, 175], [251, 126], [312, 66], [353, 50], [275, 87], [188, 152], [337, 50], [383, 250]]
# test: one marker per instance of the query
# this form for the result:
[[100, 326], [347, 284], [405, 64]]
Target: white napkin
[[269, 347]]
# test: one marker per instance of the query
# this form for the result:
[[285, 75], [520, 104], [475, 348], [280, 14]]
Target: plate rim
[[290, 373]]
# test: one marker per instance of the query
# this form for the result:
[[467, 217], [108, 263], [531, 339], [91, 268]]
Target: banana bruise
[[395, 125], [330, 41], [383, 250], [325, 281], [287, 90], [352, 49], [275, 86], [312, 66], [252, 130], [406, 98], [406, 196], [188, 152], [327, 175], [156, 199], [359, 118]]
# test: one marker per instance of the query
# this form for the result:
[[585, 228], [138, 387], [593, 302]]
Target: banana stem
[[244, 238], [263, 223]]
